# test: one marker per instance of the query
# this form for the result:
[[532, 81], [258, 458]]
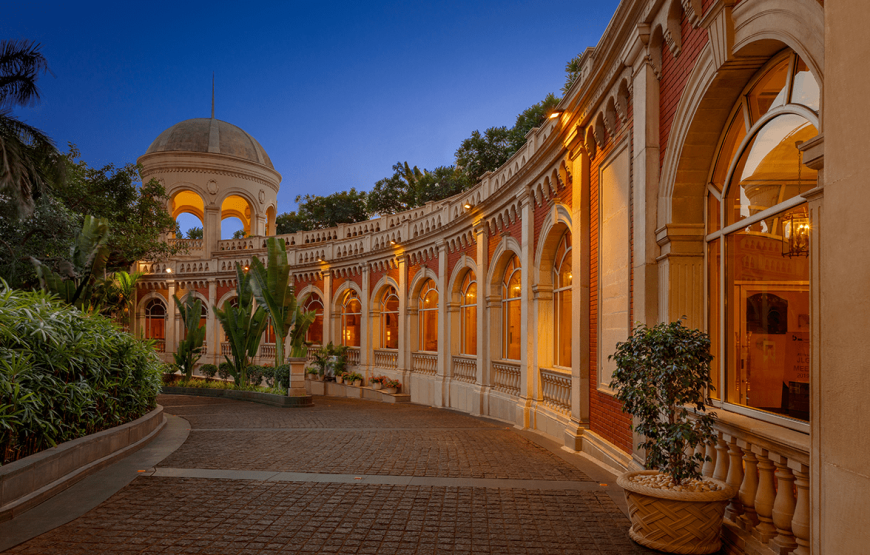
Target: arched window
[[351, 316], [390, 319], [511, 309], [315, 330], [155, 320], [468, 314], [428, 316], [562, 278], [758, 244]]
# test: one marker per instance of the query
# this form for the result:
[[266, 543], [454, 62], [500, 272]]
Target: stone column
[[171, 318], [404, 359], [528, 348], [212, 325], [365, 347], [681, 271], [328, 331], [211, 232], [481, 387], [442, 380]]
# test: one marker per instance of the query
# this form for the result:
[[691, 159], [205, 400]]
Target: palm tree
[[29, 159]]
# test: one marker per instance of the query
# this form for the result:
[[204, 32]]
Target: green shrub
[[255, 374], [208, 370], [65, 374], [225, 370]]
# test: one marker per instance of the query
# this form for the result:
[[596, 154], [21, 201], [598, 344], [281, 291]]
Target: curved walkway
[[350, 476]]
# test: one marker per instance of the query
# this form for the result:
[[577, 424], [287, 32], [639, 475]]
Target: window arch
[[155, 320], [468, 314], [427, 315], [390, 319], [351, 316], [511, 309], [562, 280], [314, 335], [758, 275]]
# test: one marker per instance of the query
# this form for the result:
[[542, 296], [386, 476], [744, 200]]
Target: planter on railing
[[353, 356], [424, 363], [772, 476], [556, 389], [465, 369], [386, 358], [506, 377]]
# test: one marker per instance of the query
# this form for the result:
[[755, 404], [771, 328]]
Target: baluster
[[735, 478], [708, 451], [748, 487], [764, 499], [783, 506], [720, 472], [800, 523]]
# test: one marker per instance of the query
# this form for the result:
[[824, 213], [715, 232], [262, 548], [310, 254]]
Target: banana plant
[[88, 255], [273, 289], [243, 326], [190, 348]]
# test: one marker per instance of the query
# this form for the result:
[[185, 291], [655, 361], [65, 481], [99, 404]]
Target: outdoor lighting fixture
[[168, 270], [556, 113], [246, 268], [467, 206], [393, 242], [796, 235]]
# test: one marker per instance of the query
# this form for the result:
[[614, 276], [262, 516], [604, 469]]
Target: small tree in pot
[[662, 374]]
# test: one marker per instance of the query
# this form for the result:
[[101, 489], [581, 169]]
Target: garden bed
[[32, 480], [242, 395]]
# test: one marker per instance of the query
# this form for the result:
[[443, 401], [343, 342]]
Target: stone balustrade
[[238, 244], [226, 349], [386, 358], [189, 244], [424, 363], [267, 350], [160, 345], [769, 465], [506, 377], [312, 352], [353, 356], [465, 369], [556, 390]]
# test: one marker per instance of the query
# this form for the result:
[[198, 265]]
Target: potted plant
[[353, 378], [339, 377], [311, 372], [377, 382], [392, 386], [662, 379]]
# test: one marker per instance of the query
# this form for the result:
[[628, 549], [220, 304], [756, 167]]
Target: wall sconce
[[796, 235], [556, 113], [467, 206], [168, 270], [393, 242], [246, 268]]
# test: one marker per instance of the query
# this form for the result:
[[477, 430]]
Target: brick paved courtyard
[[349, 476]]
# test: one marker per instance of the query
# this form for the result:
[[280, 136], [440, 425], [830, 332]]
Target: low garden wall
[[32, 480], [254, 396], [332, 389]]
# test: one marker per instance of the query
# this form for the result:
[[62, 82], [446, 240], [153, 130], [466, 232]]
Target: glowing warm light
[[556, 113], [168, 270], [393, 242], [467, 206], [246, 268]]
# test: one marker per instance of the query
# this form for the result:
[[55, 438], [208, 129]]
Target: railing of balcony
[[353, 356], [386, 358], [506, 377], [465, 369], [267, 350], [160, 345], [424, 363], [226, 349], [312, 352], [556, 389]]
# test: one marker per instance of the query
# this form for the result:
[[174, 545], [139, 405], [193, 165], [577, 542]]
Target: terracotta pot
[[675, 521], [357, 383], [377, 385], [390, 390]]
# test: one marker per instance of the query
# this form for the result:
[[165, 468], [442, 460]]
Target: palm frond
[[21, 63]]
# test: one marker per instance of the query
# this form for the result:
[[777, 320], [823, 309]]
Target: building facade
[[682, 177]]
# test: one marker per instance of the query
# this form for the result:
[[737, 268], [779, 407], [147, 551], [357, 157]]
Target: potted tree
[[662, 379]]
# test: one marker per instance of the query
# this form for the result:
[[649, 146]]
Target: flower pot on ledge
[[377, 385], [390, 390], [357, 383]]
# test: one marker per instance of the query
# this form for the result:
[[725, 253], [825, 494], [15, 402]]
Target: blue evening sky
[[336, 92]]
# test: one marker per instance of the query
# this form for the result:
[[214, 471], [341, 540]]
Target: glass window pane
[[565, 274], [736, 134], [767, 323], [430, 330], [713, 214], [390, 331], [770, 91], [805, 89], [354, 307], [469, 324], [512, 330], [471, 294], [513, 286], [713, 307], [770, 170], [315, 330], [563, 312]]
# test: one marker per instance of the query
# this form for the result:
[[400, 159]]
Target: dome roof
[[210, 135]]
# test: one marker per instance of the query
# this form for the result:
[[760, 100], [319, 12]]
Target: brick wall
[[453, 257]]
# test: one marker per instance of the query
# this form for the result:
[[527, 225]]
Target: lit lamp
[[796, 235], [467, 206], [556, 113], [246, 268], [168, 270]]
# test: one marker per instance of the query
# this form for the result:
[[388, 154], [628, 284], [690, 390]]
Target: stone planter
[[377, 385], [390, 390], [297, 377], [357, 383], [675, 521]]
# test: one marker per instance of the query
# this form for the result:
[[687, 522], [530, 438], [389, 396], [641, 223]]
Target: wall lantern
[[556, 113], [168, 270], [246, 268], [467, 206], [796, 235]]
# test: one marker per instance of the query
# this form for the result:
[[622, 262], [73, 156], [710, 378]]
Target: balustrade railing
[[465, 369], [312, 352], [506, 377], [556, 389], [424, 363], [267, 350], [353, 356], [225, 349], [160, 345], [189, 244], [237, 244], [386, 358], [771, 472]]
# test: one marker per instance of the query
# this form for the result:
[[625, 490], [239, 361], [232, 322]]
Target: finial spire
[[212, 95]]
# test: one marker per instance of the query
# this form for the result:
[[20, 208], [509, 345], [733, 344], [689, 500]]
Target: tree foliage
[[194, 233], [243, 325], [190, 347], [660, 373], [572, 73]]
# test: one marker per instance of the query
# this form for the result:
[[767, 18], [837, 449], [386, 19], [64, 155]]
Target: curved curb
[[253, 396], [27, 482]]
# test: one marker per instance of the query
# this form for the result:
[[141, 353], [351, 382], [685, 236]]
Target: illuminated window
[[155, 320], [468, 314], [390, 319], [351, 317], [758, 305], [315, 330], [511, 310], [428, 316], [562, 278]]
